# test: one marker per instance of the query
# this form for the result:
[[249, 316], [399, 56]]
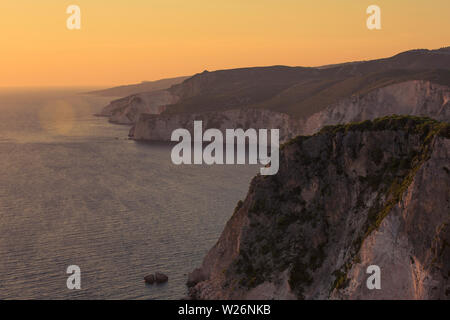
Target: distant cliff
[[145, 86], [127, 110], [369, 193], [421, 98], [298, 92], [160, 127]]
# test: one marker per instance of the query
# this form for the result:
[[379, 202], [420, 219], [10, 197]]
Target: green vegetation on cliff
[[344, 177]]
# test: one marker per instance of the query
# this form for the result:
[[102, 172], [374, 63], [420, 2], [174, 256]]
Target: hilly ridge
[[301, 91], [144, 86], [302, 98]]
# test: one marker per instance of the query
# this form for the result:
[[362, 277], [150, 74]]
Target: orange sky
[[129, 41]]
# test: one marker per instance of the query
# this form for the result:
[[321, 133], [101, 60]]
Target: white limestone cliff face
[[127, 110], [411, 245], [351, 196], [420, 98], [160, 127]]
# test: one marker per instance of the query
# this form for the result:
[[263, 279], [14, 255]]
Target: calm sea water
[[75, 191]]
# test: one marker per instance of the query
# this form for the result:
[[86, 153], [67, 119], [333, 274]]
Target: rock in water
[[161, 278], [150, 279]]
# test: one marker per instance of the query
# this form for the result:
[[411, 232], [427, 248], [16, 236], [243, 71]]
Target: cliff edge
[[368, 193], [414, 97]]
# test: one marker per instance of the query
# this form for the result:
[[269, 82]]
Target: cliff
[[160, 127], [144, 86], [299, 92], [302, 91], [350, 196], [416, 97], [127, 110]]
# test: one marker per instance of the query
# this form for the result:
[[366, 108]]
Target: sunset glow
[[131, 41]]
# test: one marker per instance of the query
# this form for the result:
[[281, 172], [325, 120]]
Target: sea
[[74, 190]]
